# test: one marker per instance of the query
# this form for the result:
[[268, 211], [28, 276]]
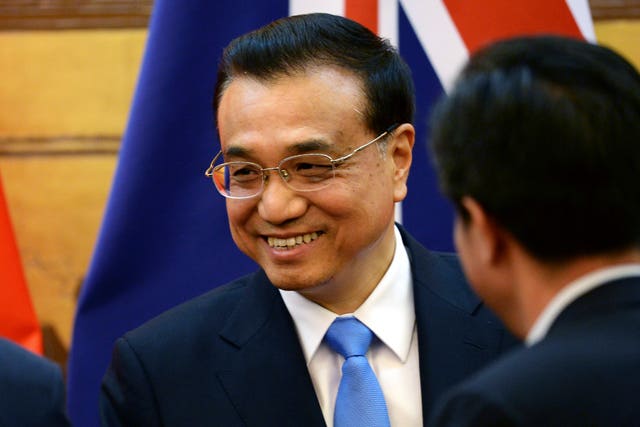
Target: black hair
[[544, 133], [298, 43]]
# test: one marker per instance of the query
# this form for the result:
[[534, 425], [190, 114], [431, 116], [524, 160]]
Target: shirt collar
[[389, 310], [572, 292]]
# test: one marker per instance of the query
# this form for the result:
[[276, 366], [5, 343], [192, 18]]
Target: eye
[[243, 172], [309, 166]]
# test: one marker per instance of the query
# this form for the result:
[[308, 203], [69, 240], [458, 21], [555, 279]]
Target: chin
[[294, 282], [286, 282]]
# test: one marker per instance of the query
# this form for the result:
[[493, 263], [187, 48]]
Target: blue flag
[[165, 236]]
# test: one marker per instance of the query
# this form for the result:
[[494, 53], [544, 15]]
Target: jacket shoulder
[[25, 366], [33, 388], [202, 314]]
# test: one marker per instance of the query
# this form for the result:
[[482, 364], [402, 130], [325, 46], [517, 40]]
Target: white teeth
[[291, 242]]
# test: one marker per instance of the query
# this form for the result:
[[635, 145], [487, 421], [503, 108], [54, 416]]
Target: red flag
[[18, 321], [480, 23], [364, 12]]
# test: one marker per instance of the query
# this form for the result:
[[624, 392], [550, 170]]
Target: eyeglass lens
[[305, 172]]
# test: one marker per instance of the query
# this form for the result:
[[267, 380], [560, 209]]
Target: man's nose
[[278, 202]]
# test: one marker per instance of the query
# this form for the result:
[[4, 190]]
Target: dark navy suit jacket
[[31, 389], [231, 357], [585, 372]]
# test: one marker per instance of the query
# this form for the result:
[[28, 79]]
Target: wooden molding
[[71, 14], [614, 9], [74, 14], [64, 145]]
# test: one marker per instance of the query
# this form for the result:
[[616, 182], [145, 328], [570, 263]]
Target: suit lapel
[[267, 378]]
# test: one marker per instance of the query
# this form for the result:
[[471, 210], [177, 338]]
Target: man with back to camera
[[538, 147], [314, 117]]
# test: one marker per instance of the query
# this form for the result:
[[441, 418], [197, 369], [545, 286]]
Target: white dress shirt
[[389, 312], [572, 292]]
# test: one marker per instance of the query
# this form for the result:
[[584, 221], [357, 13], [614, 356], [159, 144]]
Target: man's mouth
[[291, 242]]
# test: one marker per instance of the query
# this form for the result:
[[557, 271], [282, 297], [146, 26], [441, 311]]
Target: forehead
[[320, 105]]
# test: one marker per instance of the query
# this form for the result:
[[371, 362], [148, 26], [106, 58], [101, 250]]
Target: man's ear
[[486, 232], [401, 152]]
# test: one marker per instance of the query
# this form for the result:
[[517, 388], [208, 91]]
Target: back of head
[[297, 44], [544, 132]]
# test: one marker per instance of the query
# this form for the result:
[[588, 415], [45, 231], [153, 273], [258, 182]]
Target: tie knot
[[349, 337]]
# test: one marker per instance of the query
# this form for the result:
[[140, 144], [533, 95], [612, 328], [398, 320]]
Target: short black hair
[[544, 133], [298, 43]]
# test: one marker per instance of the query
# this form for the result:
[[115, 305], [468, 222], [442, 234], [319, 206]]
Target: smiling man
[[314, 115], [345, 231]]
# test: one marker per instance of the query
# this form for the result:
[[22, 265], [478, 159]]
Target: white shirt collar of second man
[[572, 292]]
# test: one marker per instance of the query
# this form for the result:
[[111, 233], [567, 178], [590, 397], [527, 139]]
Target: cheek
[[462, 247], [337, 202], [457, 234], [238, 213], [474, 270], [237, 210]]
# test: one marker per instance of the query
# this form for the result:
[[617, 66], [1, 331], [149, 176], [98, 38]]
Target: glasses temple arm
[[362, 147], [209, 171]]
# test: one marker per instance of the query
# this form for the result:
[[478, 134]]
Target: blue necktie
[[360, 401]]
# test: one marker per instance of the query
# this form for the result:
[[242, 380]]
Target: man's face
[[467, 248], [347, 228], [482, 258]]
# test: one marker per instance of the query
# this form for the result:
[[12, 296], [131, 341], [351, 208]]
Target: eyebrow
[[309, 146]]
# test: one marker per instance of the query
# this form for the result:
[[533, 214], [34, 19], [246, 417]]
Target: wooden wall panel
[[64, 100]]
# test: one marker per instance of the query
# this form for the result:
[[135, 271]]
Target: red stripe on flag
[[364, 12], [480, 23], [18, 321]]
